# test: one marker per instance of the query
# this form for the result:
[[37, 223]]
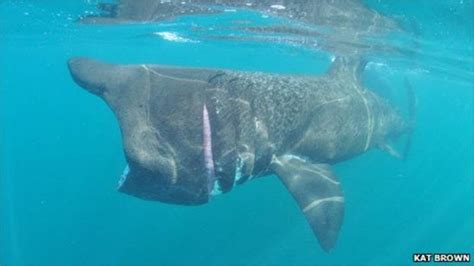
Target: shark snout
[[88, 74]]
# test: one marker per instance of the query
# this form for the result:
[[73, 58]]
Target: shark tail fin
[[318, 194], [348, 67]]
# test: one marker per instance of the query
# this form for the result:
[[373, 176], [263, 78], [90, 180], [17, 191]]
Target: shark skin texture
[[191, 133]]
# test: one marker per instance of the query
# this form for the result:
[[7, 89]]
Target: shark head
[[165, 124]]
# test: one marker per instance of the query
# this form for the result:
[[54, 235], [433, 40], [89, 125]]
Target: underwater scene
[[236, 132]]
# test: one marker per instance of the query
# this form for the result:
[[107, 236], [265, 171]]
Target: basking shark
[[343, 27], [191, 133], [350, 14]]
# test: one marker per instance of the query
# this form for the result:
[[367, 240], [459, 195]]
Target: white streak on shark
[[207, 148]]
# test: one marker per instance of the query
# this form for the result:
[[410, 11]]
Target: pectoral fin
[[317, 192]]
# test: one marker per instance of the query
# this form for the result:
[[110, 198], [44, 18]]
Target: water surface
[[61, 153]]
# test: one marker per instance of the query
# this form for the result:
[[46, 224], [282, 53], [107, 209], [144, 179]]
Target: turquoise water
[[61, 153]]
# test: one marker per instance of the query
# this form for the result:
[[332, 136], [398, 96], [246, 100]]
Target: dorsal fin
[[347, 67]]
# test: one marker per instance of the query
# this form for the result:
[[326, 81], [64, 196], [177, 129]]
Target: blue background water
[[61, 152]]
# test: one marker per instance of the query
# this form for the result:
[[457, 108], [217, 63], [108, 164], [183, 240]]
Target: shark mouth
[[213, 187], [207, 149]]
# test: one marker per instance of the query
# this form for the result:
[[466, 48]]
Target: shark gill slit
[[172, 77], [147, 109], [207, 148], [370, 122], [174, 176]]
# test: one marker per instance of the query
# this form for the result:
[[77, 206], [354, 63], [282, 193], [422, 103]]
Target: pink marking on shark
[[207, 148]]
